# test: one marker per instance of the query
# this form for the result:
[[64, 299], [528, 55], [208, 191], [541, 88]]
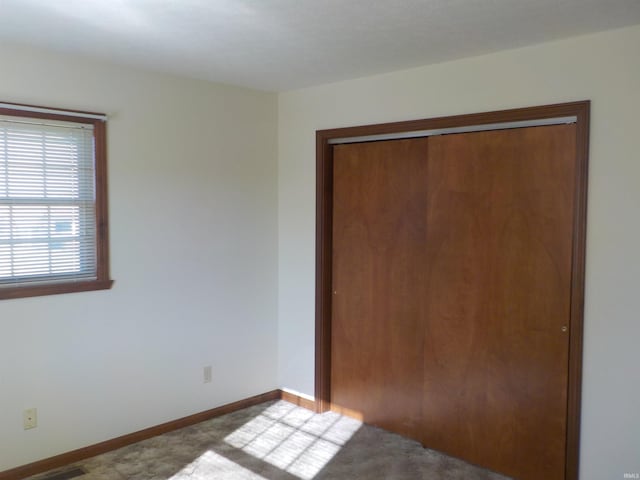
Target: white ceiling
[[286, 44]]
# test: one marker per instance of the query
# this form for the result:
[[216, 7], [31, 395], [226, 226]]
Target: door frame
[[324, 252]]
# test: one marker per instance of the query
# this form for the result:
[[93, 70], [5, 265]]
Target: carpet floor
[[277, 441]]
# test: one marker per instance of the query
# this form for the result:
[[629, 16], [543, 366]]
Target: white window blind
[[47, 201]]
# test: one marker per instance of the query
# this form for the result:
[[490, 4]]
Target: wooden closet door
[[452, 287], [379, 236], [499, 240]]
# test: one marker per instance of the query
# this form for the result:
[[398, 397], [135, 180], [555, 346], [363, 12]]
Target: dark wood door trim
[[324, 221]]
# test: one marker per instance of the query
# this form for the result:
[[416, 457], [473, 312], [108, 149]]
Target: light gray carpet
[[279, 441]]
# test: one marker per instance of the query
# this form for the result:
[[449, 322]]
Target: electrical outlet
[[207, 374], [30, 418]]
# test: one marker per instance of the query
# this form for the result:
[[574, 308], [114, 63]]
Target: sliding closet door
[[499, 240], [379, 237], [451, 292]]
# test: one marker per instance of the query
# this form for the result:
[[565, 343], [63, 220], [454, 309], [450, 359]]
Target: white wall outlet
[[30, 418], [207, 374]]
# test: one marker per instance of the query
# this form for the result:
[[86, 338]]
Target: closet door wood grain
[[379, 236], [498, 288]]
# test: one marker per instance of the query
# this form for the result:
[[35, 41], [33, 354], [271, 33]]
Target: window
[[53, 210]]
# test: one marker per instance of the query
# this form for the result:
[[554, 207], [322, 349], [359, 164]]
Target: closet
[[454, 259]]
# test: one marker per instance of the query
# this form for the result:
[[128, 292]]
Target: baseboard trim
[[300, 401], [64, 459]]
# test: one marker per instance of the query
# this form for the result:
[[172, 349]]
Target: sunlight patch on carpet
[[293, 439], [210, 465]]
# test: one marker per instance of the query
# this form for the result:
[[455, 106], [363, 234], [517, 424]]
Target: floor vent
[[65, 474]]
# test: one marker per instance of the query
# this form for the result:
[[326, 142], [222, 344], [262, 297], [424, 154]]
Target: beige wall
[[193, 205], [604, 68]]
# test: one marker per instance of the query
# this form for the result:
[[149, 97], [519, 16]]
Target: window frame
[[102, 280]]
